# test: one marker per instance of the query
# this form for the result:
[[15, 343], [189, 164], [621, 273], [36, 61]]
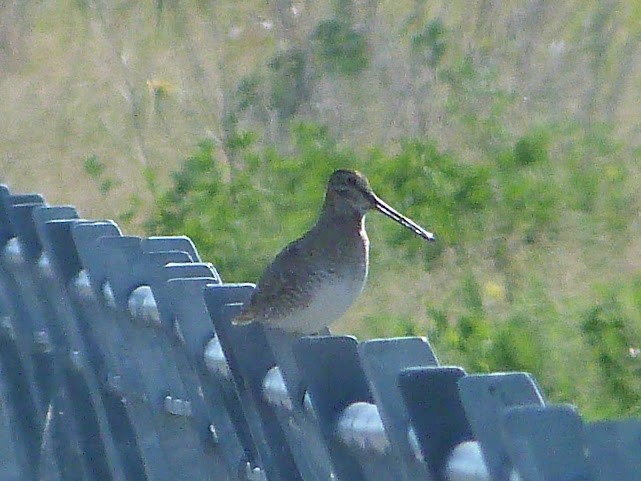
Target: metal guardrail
[[118, 361]]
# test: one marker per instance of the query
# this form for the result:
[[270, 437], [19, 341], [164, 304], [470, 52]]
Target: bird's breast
[[331, 275], [329, 298]]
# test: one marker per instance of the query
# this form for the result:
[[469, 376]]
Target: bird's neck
[[337, 213]]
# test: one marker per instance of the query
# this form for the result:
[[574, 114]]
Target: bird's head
[[349, 191]]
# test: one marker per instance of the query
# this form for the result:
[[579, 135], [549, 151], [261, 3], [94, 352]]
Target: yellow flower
[[493, 290]]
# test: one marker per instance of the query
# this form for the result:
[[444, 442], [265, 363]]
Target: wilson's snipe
[[315, 279]]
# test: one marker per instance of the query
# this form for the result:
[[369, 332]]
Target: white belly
[[329, 302]]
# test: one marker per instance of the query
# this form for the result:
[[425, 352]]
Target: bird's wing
[[279, 289]]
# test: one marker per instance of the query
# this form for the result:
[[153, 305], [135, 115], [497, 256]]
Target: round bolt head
[[76, 359], [42, 342], [214, 434], [7, 328], [177, 407]]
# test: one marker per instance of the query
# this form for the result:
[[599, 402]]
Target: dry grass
[[78, 77], [138, 88]]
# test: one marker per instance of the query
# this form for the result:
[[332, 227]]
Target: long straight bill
[[401, 219]]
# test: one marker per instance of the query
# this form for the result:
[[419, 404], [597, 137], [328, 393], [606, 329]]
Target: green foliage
[[482, 344], [529, 203], [95, 169], [239, 219], [247, 94], [472, 330], [278, 194], [508, 203], [531, 149], [461, 201], [477, 104], [201, 202], [386, 325], [288, 86], [93, 166], [429, 43], [469, 333], [339, 48], [518, 346], [529, 214], [601, 185], [426, 183], [343, 9], [528, 190], [608, 330]]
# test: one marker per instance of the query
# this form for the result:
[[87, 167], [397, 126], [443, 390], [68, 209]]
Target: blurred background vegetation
[[511, 129]]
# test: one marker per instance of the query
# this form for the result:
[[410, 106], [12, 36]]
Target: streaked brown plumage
[[316, 278]]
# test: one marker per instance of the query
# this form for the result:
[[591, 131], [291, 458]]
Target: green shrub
[[426, 183], [247, 92], [289, 88], [607, 331], [531, 149], [240, 219], [505, 208], [95, 169], [339, 48], [429, 44], [518, 346]]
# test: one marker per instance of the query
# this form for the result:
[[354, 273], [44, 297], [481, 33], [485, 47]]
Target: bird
[[316, 278]]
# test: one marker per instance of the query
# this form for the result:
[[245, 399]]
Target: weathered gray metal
[[119, 361]]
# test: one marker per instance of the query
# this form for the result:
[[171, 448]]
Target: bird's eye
[[351, 180]]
